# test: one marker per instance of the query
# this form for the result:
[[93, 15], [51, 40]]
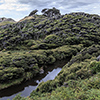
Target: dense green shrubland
[[78, 79], [38, 40], [74, 28], [27, 64], [82, 67]]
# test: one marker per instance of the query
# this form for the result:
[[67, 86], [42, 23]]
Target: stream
[[26, 88]]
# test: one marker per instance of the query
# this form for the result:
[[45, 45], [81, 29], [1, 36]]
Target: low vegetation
[[40, 40]]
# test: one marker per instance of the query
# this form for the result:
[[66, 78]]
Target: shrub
[[73, 40], [95, 66], [10, 73], [51, 38]]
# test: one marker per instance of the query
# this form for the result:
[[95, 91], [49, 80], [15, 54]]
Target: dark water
[[27, 87]]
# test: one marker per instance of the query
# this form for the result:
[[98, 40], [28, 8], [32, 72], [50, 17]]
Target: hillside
[[4, 21], [36, 41]]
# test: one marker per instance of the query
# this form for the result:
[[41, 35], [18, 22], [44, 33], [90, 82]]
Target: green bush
[[51, 38], [10, 73], [73, 40], [95, 66]]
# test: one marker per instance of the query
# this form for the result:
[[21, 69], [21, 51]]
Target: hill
[[5, 21], [40, 40]]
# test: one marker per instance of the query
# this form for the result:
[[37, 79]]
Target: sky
[[18, 9]]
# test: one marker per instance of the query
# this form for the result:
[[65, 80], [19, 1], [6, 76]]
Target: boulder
[[98, 58]]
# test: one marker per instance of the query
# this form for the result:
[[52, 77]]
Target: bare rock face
[[3, 19]]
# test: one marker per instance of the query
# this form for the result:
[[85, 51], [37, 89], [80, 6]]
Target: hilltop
[[36, 41], [4, 21]]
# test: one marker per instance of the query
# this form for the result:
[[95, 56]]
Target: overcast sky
[[17, 9]]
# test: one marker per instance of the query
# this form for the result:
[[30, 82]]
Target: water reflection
[[27, 87]]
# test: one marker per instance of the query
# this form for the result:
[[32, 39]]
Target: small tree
[[33, 12], [51, 12], [44, 10]]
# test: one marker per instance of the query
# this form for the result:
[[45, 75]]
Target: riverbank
[[25, 88], [32, 63], [78, 79]]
